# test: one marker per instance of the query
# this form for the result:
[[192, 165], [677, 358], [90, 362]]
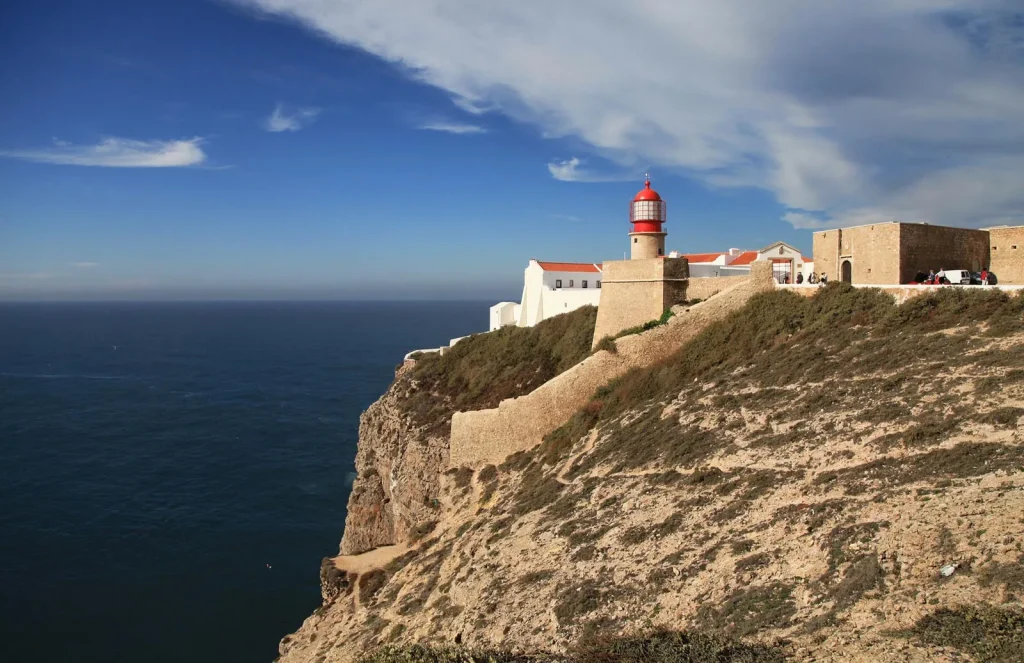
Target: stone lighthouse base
[[636, 291]]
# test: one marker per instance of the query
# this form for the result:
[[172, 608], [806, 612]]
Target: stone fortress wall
[[1006, 253], [704, 287], [894, 253], [485, 437], [925, 247], [636, 291], [873, 251]]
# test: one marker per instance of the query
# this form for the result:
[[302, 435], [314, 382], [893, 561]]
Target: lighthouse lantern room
[[647, 213]]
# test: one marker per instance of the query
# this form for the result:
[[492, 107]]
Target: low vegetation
[[484, 369], [782, 440], [853, 332], [989, 634], [658, 647]]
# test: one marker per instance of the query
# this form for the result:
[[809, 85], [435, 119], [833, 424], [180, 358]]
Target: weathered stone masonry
[[637, 291], [895, 253], [517, 424]]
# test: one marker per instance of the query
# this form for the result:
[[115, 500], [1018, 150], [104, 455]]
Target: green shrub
[[657, 647], [674, 647], [650, 324], [607, 344], [989, 634], [484, 369], [749, 610], [370, 583]]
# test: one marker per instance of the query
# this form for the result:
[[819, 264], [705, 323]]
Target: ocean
[[171, 474]]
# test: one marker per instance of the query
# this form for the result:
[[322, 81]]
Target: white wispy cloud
[[283, 119], [117, 153], [898, 108], [565, 217], [453, 127], [85, 265], [472, 106], [575, 170], [804, 221]]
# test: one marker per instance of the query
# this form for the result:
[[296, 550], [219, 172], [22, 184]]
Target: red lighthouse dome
[[647, 193], [647, 211]]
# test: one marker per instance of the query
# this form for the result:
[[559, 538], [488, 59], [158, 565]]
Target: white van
[[956, 276]]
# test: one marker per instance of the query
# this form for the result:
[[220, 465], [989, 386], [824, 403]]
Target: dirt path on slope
[[370, 560]]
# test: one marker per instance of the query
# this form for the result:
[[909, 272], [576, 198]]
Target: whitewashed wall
[[542, 299], [504, 313]]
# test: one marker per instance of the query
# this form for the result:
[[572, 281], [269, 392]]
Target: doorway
[[847, 271], [782, 270]]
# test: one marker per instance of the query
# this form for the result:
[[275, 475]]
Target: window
[[558, 283], [634, 240], [570, 283], [598, 284], [1013, 246], [647, 210], [584, 284], [994, 248]]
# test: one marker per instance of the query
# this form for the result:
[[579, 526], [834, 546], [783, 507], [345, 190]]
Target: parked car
[[976, 278], [956, 276]]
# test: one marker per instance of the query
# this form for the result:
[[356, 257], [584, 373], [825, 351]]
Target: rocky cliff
[[826, 479], [398, 471]]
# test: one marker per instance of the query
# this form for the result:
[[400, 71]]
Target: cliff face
[[835, 477], [404, 436], [398, 471]]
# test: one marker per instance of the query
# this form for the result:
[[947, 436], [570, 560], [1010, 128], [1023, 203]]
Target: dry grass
[[484, 369], [853, 332], [656, 647]]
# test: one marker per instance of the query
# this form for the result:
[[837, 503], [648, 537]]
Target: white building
[[550, 288], [787, 261]]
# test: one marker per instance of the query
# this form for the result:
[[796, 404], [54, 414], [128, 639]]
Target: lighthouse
[[647, 213], [639, 290]]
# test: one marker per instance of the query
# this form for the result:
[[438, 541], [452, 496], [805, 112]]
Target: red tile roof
[[702, 257], [744, 258], [568, 266]]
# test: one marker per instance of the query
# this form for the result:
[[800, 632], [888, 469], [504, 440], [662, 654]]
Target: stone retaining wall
[[489, 436], [703, 287]]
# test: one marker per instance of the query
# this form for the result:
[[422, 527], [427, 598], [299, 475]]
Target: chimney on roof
[[735, 252]]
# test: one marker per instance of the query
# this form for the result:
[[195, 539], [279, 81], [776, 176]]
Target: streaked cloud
[[847, 110], [117, 153], [85, 265], [575, 170], [472, 106], [283, 119], [804, 221], [453, 127]]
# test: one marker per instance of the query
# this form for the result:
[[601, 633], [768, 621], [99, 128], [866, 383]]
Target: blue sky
[[402, 149]]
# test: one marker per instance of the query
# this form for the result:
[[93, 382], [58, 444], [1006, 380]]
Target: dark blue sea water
[[156, 458]]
